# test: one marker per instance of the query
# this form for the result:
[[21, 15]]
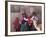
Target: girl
[[24, 25], [34, 19], [16, 24]]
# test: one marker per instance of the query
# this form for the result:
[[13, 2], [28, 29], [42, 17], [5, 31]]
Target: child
[[29, 20], [16, 24], [24, 24], [34, 19]]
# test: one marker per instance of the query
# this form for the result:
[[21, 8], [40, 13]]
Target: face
[[24, 15]]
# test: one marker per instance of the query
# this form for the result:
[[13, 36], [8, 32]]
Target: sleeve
[[36, 18], [25, 19], [32, 18]]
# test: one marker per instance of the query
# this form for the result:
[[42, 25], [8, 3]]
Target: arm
[[25, 19]]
